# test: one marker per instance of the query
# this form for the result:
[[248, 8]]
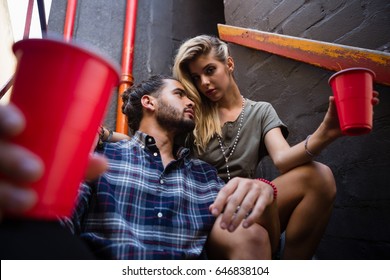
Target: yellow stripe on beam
[[330, 56]]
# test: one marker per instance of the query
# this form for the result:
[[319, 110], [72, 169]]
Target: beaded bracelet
[[101, 133], [271, 184], [110, 133], [101, 136]]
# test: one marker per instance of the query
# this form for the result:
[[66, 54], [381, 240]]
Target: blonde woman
[[232, 131]]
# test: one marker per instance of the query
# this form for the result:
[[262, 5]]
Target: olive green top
[[259, 118]]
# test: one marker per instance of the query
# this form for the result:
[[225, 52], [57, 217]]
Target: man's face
[[175, 110]]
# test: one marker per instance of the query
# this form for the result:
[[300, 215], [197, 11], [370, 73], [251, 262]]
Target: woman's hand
[[330, 123]]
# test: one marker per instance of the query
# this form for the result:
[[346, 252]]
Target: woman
[[232, 131]]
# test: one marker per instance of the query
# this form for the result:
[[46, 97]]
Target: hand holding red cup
[[354, 95], [62, 90]]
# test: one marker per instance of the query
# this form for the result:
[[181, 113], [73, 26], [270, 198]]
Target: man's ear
[[147, 102]]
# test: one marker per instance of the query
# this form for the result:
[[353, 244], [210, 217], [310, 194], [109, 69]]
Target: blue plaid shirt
[[140, 210]]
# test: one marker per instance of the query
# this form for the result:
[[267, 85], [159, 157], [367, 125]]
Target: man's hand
[[242, 200]]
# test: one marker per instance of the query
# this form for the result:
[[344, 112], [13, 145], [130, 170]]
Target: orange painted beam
[[325, 55]]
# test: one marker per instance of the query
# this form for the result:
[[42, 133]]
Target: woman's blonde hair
[[206, 114]]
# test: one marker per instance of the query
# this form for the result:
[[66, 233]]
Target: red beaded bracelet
[[271, 184]]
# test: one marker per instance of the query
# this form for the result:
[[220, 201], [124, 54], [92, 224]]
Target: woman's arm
[[286, 158], [107, 135]]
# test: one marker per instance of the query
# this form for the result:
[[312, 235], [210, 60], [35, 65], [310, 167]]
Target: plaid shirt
[[140, 210]]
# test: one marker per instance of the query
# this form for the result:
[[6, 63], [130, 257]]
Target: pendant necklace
[[227, 157]]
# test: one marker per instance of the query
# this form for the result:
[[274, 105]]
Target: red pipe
[[27, 25], [69, 19], [26, 35], [127, 61]]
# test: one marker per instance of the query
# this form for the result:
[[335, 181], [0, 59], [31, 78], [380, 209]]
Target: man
[[155, 201]]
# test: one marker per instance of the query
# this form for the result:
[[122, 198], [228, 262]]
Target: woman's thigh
[[313, 182]]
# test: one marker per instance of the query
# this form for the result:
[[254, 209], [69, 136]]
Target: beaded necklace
[[227, 157]]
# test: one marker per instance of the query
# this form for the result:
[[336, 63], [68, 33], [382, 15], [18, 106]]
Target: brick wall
[[360, 225]]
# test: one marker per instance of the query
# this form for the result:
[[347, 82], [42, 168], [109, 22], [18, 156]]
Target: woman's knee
[[321, 180], [258, 235], [254, 243], [243, 243]]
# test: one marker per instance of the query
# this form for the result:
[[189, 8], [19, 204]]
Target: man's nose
[[190, 103]]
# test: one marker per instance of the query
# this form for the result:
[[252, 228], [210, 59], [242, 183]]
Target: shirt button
[[159, 214], [155, 154], [150, 140], [161, 181]]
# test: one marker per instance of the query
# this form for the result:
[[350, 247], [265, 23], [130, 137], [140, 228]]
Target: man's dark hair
[[132, 106]]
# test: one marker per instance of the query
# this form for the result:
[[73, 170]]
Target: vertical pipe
[[27, 25], [127, 61], [69, 19], [7, 86], [42, 17], [26, 35]]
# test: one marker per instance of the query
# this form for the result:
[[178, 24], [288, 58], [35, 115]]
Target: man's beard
[[172, 119]]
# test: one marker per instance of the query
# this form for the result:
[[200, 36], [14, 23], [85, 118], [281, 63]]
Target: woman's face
[[210, 76]]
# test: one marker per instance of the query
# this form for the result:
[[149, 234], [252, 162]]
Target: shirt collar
[[147, 141]]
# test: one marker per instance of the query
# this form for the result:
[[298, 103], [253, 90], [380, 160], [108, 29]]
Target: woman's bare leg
[[305, 200], [251, 243]]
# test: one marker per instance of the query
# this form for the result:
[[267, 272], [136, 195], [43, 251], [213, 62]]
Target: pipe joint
[[127, 79]]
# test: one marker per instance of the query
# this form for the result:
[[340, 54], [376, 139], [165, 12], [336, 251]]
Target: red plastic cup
[[63, 91], [353, 92]]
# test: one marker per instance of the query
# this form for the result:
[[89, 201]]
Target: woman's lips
[[210, 91]]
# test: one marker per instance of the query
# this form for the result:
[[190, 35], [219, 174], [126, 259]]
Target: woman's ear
[[147, 102], [230, 64]]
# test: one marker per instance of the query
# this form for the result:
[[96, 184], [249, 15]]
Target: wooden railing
[[325, 55]]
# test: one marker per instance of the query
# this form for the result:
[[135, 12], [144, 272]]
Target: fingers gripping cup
[[63, 91], [353, 92]]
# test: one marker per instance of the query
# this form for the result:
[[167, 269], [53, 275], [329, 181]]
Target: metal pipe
[[26, 35], [27, 24], [127, 79], [7, 86], [69, 19], [42, 17]]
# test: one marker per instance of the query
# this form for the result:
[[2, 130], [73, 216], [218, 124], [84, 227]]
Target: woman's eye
[[210, 70], [195, 78]]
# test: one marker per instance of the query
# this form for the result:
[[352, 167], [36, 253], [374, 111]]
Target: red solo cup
[[63, 91], [353, 92]]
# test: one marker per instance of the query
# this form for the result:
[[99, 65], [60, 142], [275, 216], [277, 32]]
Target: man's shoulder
[[117, 148]]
